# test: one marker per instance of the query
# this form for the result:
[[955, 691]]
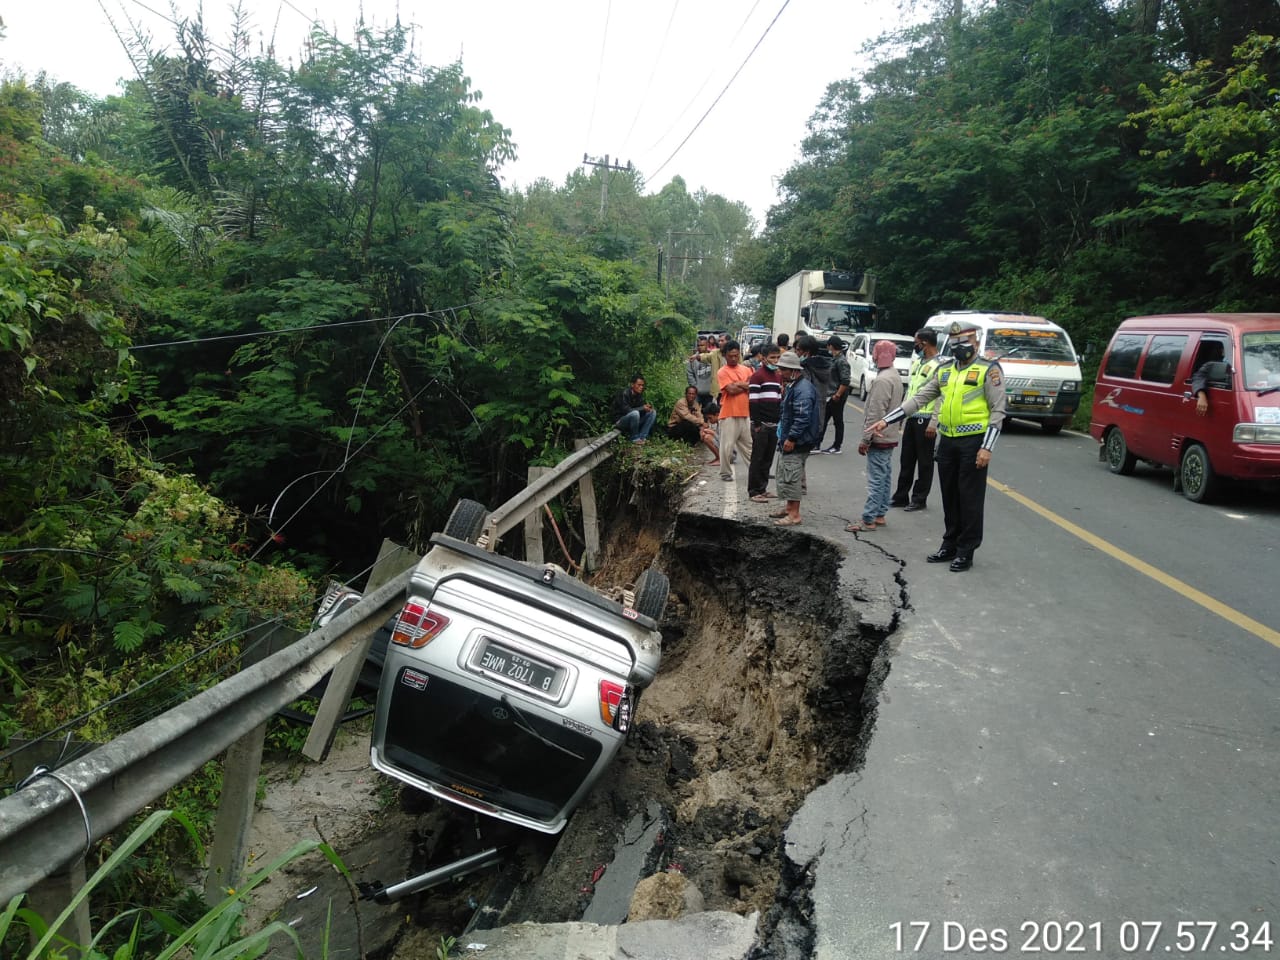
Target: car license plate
[[499, 661], [1031, 399]]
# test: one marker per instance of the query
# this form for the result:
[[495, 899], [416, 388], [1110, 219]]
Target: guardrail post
[[590, 519], [392, 559], [50, 896], [240, 768], [533, 524]]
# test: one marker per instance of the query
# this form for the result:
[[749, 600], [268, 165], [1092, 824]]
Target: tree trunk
[[1148, 16]]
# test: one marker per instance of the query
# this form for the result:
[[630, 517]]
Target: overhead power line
[[705, 80], [595, 99], [664, 163]]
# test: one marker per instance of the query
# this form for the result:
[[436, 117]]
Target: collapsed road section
[[774, 646], [773, 650]]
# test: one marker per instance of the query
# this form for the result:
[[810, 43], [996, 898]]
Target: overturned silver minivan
[[507, 687]]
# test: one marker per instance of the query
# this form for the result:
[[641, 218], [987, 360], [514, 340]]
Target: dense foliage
[[255, 319], [1086, 159]]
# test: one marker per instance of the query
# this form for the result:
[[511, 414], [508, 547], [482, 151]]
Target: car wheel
[[651, 593], [1198, 479], [467, 521], [1119, 459], [862, 389], [1051, 428]]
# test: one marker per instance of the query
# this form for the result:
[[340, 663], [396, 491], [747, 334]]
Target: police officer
[[970, 412], [920, 431]]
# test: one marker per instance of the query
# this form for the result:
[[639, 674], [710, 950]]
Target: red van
[[1143, 408]]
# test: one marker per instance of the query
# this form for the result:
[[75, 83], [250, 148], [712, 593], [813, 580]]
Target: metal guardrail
[[50, 822], [566, 473]]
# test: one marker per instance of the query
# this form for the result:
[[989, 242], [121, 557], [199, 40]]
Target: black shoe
[[942, 555], [897, 503], [961, 562], [912, 507]]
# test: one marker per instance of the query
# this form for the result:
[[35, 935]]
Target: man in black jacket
[[634, 415], [843, 378]]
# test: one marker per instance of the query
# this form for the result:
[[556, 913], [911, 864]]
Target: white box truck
[[825, 301]]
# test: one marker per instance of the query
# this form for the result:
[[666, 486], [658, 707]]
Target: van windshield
[[1261, 360], [1051, 345]]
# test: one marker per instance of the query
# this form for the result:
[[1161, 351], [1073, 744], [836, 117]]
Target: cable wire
[[604, 45], [664, 163], [705, 80], [652, 73]]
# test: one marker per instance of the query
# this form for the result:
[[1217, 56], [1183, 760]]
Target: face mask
[[771, 366], [963, 351]]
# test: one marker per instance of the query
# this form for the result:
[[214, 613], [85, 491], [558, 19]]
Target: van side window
[[1163, 357], [1126, 348], [1209, 349]]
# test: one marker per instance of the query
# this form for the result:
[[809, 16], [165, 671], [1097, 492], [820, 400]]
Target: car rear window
[[459, 737], [1126, 348]]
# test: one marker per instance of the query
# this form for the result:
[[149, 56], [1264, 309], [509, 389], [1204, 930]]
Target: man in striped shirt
[[765, 395]]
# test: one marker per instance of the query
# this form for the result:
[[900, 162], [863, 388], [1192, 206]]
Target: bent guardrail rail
[[55, 818]]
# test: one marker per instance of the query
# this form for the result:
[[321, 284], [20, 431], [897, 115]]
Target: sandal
[[859, 528], [880, 521], [712, 463], [788, 521], [760, 498], [778, 513]]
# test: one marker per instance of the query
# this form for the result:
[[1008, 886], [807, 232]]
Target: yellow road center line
[[1260, 630]]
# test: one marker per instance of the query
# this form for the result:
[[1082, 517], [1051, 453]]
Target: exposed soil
[[760, 698]]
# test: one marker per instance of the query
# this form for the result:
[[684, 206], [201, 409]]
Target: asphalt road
[[1077, 747]]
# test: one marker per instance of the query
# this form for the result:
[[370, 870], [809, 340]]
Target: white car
[[862, 368]]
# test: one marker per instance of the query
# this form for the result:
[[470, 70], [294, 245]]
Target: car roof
[[904, 337], [1245, 322], [989, 318]]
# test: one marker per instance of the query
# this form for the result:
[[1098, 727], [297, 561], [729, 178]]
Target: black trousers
[[835, 411], [964, 492], [764, 442], [917, 456]]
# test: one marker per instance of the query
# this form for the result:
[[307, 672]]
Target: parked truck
[[830, 301]]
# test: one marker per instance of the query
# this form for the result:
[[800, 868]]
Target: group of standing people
[[781, 405]]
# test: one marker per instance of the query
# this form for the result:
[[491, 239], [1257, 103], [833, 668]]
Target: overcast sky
[[621, 78]]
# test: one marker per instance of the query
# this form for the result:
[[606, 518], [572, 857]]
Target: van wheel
[[1051, 429], [467, 521], [1198, 478], [862, 389], [651, 593], [1119, 459]]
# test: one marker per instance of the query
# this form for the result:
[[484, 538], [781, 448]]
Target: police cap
[[961, 326]]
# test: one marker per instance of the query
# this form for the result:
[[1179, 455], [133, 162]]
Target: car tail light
[[417, 625], [615, 705]]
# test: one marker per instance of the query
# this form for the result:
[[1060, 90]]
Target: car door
[[858, 363], [1166, 406]]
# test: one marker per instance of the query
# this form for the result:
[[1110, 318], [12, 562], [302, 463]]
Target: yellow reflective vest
[[921, 373], [963, 409]]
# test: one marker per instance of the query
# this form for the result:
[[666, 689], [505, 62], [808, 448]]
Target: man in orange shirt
[[735, 409]]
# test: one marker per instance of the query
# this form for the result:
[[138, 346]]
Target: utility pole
[[671, 235], [604, 180]]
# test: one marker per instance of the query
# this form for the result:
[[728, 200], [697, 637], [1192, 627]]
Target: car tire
[[1051, 428], [652, 590], [467, 521], [1119, 459], [862, 389], [1196, 473]]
